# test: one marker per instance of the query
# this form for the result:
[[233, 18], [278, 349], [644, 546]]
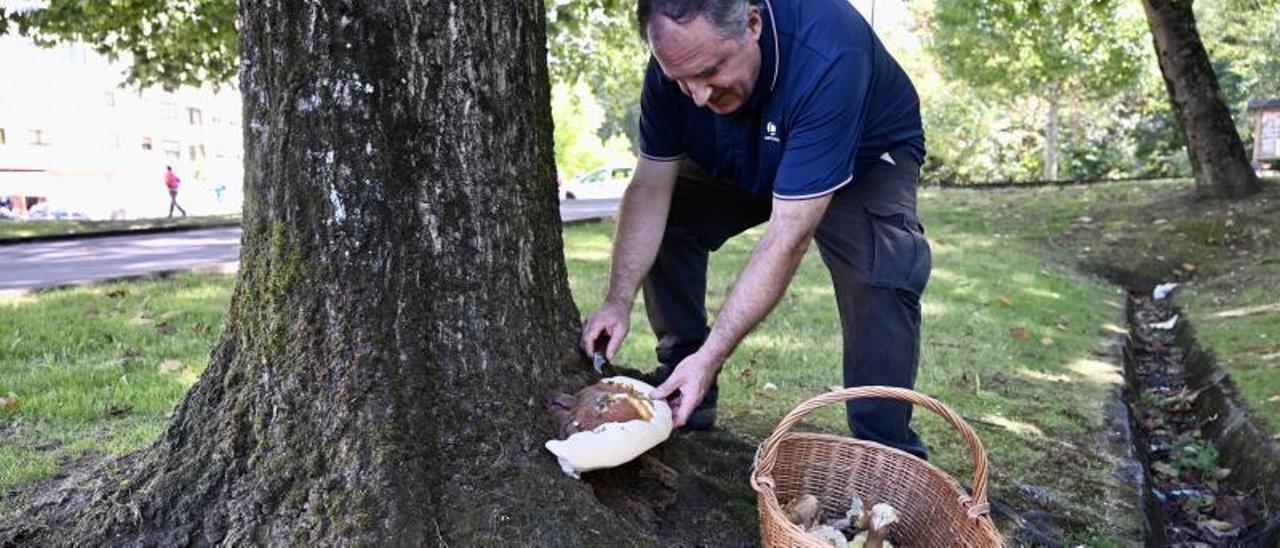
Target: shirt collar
[[770, 59]]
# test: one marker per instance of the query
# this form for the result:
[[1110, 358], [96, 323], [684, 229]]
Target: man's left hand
[[692, 378]]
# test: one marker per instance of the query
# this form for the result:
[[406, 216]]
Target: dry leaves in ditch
[[10, 403]]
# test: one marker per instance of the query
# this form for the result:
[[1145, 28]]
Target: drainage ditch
[[1212, 475]]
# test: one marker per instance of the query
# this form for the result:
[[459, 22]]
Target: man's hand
[[692, 378], [614, 319]]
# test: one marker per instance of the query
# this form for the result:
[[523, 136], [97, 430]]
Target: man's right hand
[[613, 319]]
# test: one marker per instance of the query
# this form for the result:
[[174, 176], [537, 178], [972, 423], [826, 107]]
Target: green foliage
[[596, 41], [1243, 40], [169, 43], [1020, 48], [578, 119]]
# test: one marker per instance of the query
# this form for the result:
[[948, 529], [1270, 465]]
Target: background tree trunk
[[1217, 155], [402, 303], [1053, 128]]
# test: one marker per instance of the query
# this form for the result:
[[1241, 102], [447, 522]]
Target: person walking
[[172, 181], [786, 111]]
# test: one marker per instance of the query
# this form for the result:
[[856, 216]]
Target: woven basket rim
[[874, 447]]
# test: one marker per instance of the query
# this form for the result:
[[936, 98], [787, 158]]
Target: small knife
[[598, 360]]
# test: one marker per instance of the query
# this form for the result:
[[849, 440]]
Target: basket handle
[[767, 453]]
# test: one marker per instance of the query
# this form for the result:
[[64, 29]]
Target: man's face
[[717, 72]]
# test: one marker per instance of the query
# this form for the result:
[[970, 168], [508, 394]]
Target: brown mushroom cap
[[600, 403]]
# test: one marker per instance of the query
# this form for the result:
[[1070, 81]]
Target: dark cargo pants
[[874, 247]]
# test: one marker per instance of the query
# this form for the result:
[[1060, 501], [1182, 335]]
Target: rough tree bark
[[1217, 155], [402, 303]]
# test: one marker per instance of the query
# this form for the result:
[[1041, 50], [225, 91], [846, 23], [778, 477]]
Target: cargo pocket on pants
[[900, 256]]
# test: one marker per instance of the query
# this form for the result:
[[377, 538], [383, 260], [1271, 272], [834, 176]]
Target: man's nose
[[700, 93]]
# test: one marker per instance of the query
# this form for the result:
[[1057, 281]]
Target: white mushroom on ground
[[607, 424]]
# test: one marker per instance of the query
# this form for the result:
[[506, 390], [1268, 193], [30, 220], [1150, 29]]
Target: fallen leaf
[[770, 386], [1189, 267], [165, 328], [11, 402], [117, 410], [1004, 300], [1020, 333], [1046, 341], [169, 366], [1221, 473], [1164, 469], [1217, 526]]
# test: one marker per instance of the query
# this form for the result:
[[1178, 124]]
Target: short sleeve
[[660, 120], [827, 124]]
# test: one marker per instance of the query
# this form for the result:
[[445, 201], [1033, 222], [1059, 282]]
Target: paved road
[[34, 265]]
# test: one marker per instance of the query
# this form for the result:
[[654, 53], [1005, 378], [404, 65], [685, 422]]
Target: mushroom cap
[[616, 422]]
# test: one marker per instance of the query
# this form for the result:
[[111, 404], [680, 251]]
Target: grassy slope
[[1227, 253], [11, 230], [1009, 341]]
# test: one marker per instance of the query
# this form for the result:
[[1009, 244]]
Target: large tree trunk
[[402, 303], [1217, 155]]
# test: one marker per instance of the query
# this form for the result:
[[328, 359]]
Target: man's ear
[[755, 22]]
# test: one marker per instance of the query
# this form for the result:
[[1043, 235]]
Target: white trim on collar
[[777, 52]]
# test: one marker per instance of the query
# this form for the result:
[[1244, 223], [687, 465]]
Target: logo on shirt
[[771, 132]]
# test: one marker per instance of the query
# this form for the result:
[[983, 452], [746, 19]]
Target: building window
[[39, 137], [146, 143], [196, 152], [172, 149], [194, 116]]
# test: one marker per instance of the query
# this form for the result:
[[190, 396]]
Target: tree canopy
[[165, 43]]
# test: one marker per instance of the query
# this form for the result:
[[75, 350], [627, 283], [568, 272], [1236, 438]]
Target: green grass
[[1233, 251], [12, 230], [1011, 337], [86, 366]]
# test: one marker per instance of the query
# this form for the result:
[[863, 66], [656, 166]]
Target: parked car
[[603, 183]]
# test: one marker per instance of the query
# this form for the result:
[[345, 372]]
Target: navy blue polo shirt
[[829, 101]]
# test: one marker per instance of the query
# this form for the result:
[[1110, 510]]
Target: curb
[[45, 238], [209, 269]]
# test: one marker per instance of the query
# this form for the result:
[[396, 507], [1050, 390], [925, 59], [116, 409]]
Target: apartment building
[[70, 134]]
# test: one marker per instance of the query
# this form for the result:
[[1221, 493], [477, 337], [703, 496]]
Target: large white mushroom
[[608, 424]]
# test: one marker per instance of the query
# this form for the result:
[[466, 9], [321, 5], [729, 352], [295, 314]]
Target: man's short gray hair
[[727, 16]]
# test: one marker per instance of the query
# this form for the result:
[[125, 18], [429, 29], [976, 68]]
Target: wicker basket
[[933, 509]]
